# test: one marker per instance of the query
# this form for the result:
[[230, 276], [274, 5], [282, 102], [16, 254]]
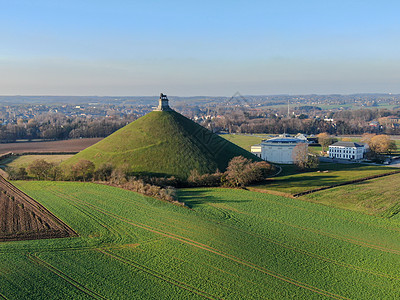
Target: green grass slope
[[291, 182], [163, 143], [232, 244], [378, 197]]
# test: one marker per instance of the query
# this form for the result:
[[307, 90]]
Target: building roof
[[283, 140], [347, 144], [301, 136]]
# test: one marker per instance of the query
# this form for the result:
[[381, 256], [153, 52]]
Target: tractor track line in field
[[159, 275], [90, 215], [74, 199], [65, 277], [321, 213], [338, 237], [310, 254], [80, 205], [320, 257], [331, 235], [345, 183], [136, 204], [215, 251], [81, 208], [3, 297]]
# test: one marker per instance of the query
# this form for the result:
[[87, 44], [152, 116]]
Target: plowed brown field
[[74, 145], [22, 218]]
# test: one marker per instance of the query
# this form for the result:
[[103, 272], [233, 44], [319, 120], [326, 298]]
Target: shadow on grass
[[293, 181], [193, 198], [292, 170], [6, 161], [305, 180]]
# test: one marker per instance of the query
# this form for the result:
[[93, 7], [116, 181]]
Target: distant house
[[346, 150], [278, 149], [374, 124], [310, 139], [390, 121], [301, 136]]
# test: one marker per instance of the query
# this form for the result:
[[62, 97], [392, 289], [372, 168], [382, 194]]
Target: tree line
[[58, 127], [346, 122], [240, 172]]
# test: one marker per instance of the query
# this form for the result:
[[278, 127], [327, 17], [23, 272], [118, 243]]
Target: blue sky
[[186, 48]]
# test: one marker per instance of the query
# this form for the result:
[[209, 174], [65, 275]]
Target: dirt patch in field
[[74, 145], [23, 218]]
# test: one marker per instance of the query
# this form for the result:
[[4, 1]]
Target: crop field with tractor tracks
[[229, 244]]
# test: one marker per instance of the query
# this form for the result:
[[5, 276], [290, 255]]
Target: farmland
[[292, 182], [23, 218], [231, 244], [244, 140], [25, 160], [377, 196], [49, 146]]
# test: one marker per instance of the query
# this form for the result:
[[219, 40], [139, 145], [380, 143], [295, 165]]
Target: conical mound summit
[[163, 143]]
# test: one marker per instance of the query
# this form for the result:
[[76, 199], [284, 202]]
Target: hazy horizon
[[124, 48], [192, 96]]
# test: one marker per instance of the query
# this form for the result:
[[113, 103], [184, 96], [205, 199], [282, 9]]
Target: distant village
[[27, 118]]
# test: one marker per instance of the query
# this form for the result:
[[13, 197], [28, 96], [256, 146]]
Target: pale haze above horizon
[[188, 48]]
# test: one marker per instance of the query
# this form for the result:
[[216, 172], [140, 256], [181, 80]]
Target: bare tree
[[367, 137], [103, 172], [41, 169], [83, 169], [324, 140], [382, 144], [242, 171], [302, 158], [16, 173]]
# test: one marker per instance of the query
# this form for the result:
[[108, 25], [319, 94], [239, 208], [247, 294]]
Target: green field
[[292, 182], [231, 244], [379, 196], [246, 141], [26, 160], [317, 150]]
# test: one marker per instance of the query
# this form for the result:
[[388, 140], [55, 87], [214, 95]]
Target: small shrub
[[196, 179], [140, 186], [17, 173], [82, 170], [242, 171], [103, 173], [41, 169]]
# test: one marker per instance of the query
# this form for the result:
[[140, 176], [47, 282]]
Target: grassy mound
[[163, 143]]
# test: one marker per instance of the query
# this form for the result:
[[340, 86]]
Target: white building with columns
[[346, 150]]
